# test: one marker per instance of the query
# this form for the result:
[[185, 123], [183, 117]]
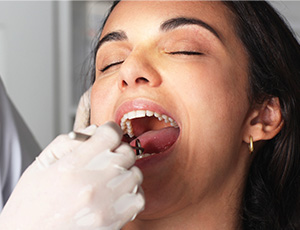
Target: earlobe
[[264, 122]]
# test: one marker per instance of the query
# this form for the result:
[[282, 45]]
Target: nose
[[138, 70]]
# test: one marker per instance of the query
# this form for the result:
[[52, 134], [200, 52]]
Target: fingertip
[[140, 202], [111, 130], [138, 174], [113, 125], [109, 135], [128, 152]]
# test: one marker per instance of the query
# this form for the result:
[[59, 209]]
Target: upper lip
[[139, 104]]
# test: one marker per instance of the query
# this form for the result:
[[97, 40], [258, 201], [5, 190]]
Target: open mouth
[[155, 132]]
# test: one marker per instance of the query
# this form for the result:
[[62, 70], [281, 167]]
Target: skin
[[199, 185]]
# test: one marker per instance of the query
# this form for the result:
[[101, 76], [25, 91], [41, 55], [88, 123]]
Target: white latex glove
[[78, 185], [82, 118]]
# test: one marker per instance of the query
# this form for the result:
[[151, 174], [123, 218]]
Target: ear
[[264, 121]]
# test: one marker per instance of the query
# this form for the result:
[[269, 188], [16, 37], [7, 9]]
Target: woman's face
[[183, 60]]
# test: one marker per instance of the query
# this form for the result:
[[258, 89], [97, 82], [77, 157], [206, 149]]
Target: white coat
[[18, 148]]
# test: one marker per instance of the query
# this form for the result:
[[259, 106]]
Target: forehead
[[146, 16]]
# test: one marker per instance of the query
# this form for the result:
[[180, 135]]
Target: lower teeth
[[144, 155]]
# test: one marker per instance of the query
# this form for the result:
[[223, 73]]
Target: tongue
[[156, 141]]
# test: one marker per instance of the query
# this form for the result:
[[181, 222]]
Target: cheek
[[102, 97], [219, 91], [217, 103], [217, 106]]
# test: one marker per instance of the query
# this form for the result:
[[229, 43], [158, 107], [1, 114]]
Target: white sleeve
[[18, 147]]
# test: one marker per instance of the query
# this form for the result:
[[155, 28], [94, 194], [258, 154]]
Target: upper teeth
[[126, 119]]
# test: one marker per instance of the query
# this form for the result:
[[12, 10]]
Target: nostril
[[131, 82], [124, 83], [141, 80]]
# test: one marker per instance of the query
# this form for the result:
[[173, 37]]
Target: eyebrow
[[168, 25], [113, 36], [174, 23]]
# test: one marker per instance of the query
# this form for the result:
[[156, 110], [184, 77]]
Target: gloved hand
[[82, 119], [78, 185]]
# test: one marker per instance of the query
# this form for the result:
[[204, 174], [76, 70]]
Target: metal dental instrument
[[78, 136], [83, 137], [138, 148]]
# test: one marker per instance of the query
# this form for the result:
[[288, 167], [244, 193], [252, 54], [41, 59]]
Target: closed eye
[[185, 53], [111, 65]]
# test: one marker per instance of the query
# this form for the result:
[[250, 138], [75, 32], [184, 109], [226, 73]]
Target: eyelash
[[111, 65], [185, 53], [172, 53]]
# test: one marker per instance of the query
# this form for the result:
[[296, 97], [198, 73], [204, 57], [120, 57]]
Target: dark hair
[[272, 193], [92, 59], [271, 198]]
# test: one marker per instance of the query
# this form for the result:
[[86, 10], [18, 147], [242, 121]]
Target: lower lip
[[155, 159]]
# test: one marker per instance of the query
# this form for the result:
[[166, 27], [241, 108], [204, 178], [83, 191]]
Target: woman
[[227, 73], [210, 90]]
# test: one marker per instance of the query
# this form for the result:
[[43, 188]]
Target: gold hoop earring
[[251, 148]]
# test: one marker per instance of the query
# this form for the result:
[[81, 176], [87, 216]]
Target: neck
[[218, 208], [214, 214]]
